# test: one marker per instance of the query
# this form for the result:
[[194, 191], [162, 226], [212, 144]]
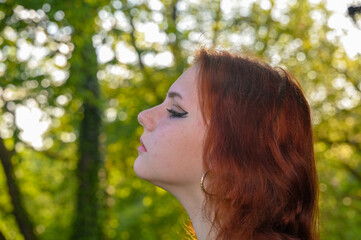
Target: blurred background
[[74, 74]]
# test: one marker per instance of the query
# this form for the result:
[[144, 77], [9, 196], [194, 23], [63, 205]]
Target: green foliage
[[129, 207]]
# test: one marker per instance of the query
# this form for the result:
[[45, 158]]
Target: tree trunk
[[86, 222], [21, 215], [2, 237], [83, 81], [83, 75]]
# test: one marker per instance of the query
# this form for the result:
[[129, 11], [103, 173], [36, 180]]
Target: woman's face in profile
[[173, 137]]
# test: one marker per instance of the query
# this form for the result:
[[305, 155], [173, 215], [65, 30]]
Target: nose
[[146, 120]]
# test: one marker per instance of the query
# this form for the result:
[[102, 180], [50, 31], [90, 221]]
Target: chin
[[138, 169], [141, 171]]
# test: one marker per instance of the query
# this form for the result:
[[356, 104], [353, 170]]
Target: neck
[[193, 204]]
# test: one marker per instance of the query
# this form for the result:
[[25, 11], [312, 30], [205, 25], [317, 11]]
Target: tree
[[83, 69]]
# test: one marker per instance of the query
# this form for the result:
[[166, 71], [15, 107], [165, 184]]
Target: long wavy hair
[[262, 179]]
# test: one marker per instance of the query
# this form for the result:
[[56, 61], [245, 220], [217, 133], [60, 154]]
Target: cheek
[[180, 150], [174, 154]]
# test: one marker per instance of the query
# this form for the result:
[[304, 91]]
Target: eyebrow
[[174, 94]]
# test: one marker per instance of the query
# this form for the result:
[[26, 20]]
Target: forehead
[[186, 85]]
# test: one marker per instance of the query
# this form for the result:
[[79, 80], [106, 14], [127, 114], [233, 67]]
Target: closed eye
[[174, 114]]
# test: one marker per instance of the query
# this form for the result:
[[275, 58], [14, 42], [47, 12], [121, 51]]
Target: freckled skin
[[174, 145]]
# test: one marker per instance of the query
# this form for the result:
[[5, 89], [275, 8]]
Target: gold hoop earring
[[202, 182]]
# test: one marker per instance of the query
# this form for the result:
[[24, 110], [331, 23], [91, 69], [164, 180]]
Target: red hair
[[262, 181]]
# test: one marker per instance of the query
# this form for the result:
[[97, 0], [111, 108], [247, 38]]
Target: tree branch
[[2, 237], [216, 28], [351, 170], [21, 215], [347, 167], [135, 45]]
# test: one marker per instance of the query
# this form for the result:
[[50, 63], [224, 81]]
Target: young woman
[[233, 143]]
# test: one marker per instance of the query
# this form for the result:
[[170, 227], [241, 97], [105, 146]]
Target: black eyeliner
[[180, 107], [175, 114]]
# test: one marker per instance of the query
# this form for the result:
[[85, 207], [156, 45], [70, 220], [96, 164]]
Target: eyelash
[[174, 114]]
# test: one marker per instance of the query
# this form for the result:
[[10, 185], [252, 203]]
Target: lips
[[142, 147]]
